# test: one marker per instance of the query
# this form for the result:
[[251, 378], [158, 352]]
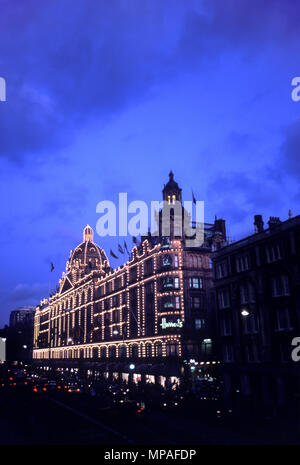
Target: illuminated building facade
[[154, 307]]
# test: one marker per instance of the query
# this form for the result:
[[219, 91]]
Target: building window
[[196, 283], [285, 354], [168, 303], [165, 242], [101, 291], [252, 352], [167, 282], [167, 260], [115, 316], [280, 286], [196, 303], [177, 302], [158, 349], [176, 261], [133, 273], [228, 353], [172, 349], [122, 351], [273, 253], [199, 323], [149, 287], [283, 319], [247, 293], [225, 326], [242, 263], [221, 270], [251, 323], [206, 347], [148, 266], [223, 298]]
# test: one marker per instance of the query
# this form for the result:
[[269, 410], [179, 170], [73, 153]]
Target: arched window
[[158, 349], [134, 351], [122, 351], [112, 351], [148, 349], [103, 352]]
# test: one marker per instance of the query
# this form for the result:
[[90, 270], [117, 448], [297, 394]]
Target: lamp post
[[245, 312]]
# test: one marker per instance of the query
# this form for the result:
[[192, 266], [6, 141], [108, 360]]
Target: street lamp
[[245, 312], [132, 366]]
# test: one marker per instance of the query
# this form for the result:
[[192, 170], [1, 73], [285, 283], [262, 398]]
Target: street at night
[[32, 414], [149, 229]]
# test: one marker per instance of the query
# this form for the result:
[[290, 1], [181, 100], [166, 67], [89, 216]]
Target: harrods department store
[[153, 309]]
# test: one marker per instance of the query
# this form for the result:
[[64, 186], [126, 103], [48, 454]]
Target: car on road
[[51, 385]]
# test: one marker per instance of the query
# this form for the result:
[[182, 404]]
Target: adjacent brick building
[[257, 289]]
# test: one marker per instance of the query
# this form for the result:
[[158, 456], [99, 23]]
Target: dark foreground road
[[35, 419]]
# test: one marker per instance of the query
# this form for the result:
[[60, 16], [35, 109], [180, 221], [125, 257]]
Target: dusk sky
[[109, 96]]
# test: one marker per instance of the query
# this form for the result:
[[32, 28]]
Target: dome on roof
[[87, 254]]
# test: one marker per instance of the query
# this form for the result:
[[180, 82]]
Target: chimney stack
[[258, 224], [273, 222]]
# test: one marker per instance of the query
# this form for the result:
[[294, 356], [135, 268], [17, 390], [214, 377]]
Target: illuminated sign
[[171, 324]]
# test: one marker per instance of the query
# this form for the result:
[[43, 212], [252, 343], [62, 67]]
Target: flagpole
[[51, 269]]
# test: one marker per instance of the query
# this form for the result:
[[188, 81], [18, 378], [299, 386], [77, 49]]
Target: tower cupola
[[171, 190]]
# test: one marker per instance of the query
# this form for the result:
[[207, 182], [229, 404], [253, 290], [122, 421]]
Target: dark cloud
[[66, 62], [237, 195], [248, 25]]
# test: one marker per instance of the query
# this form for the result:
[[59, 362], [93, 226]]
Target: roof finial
[[290, 214], [88, 234], [171, 175]]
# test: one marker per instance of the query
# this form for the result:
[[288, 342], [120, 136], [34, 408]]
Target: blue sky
[[109, 96]]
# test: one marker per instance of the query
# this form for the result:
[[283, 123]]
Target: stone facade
[[257, 288]]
